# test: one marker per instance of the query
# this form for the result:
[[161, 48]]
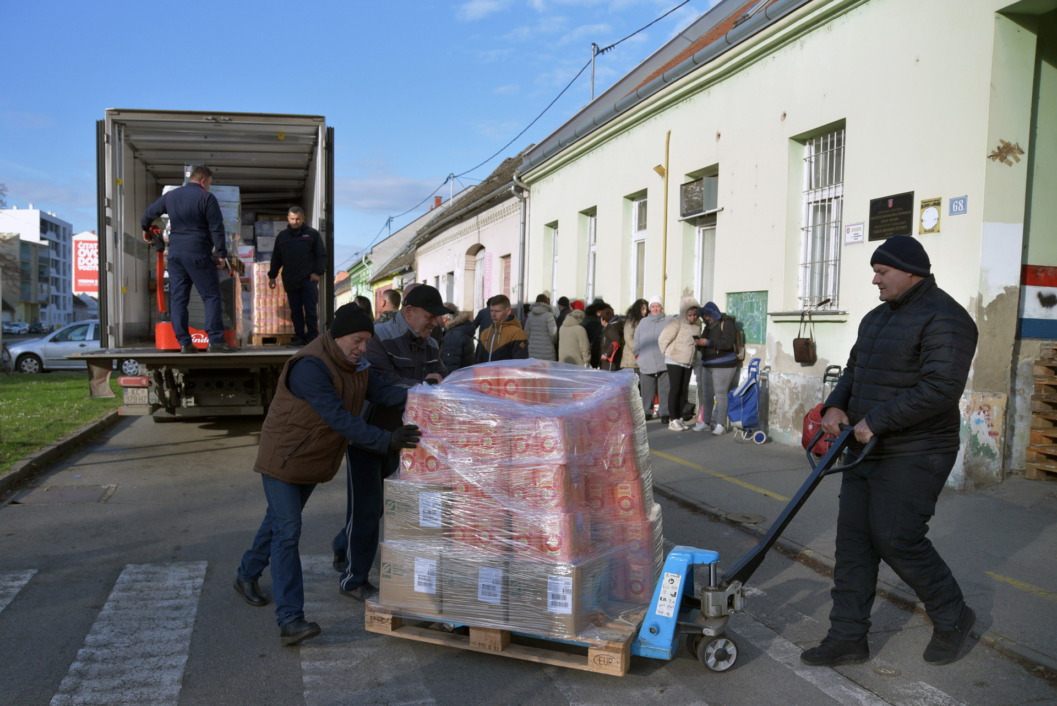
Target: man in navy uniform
[[300, 254], [197, 249]]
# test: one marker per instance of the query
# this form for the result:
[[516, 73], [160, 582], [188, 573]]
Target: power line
[[527, 127]]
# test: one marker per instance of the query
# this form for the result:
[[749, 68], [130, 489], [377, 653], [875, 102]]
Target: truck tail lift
[[674, 611]]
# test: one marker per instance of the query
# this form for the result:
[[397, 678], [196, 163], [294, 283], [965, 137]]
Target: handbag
[[804, 347], [812, 423]]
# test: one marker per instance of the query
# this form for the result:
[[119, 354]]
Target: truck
[[275, 161]]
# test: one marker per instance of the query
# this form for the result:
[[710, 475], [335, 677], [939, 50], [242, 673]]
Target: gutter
[[520, 190]]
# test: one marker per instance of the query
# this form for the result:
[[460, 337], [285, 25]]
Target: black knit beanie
[[350, 318], [903, 253]]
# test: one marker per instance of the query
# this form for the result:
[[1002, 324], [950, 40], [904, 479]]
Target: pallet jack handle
[[747, 565]]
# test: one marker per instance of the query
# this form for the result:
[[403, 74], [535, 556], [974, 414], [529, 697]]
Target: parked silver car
[[49, 352], [16, 328]]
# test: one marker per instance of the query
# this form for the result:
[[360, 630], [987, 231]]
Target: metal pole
[[664, 224], [594, 53]]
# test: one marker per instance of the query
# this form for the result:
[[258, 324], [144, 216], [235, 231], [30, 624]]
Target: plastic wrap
[[271, 310], [528, 504]]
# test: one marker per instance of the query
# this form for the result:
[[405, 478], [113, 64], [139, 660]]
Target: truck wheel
[[29, 363], [718, 653], [128, 366]]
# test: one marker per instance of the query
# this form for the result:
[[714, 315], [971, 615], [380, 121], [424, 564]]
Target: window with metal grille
[[821, 220]]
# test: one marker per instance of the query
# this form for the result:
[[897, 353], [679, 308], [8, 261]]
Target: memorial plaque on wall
[[892, 215]]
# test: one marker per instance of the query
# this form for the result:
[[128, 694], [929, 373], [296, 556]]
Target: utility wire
[[527, 127]]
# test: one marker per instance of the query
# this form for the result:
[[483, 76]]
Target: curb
[[23, 469], [1043, 664]]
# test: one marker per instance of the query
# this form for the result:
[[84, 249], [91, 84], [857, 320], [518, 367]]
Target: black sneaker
[[221, 347], [946, 645], [361, 592], [189, 348], [833, 652], [295, 632], [338, 563]]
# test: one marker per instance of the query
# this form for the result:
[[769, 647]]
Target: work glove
[[405, 437]]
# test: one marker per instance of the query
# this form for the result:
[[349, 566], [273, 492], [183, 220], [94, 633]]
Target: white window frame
[[638, 241], [820, 231], [592, 253], [705, 259]]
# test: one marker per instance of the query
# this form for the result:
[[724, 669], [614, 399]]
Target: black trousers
[[358, 539], [678, 390], [304, 305], [885, 508]]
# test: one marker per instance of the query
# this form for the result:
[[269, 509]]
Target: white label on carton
[[668, 598], [425, 575], [560, 595], [429, 510], [490, 585]]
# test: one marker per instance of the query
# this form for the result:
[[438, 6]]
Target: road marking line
[[386, 669], [11, 583], [137, 648], [1026, 587], [722, 476], [830, 682]]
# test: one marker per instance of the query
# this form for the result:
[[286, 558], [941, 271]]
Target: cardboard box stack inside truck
[[528, 506]]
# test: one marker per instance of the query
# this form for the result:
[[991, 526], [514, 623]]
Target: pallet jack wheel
[[759, 436], [717, 653], [692, 642]]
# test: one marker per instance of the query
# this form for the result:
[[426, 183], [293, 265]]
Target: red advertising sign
[[86, 266]]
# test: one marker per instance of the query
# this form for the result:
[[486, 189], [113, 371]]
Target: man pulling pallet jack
[[197, 249]]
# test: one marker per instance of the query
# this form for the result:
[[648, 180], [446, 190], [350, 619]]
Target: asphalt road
[[116, 587]]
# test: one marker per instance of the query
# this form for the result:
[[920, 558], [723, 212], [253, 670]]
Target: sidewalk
[[1001, 543]]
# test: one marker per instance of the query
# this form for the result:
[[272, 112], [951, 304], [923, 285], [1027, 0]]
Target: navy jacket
[[907, 371], [196, 224], [298, 253]]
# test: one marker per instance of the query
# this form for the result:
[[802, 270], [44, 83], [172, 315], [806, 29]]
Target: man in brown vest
[[312, 419]]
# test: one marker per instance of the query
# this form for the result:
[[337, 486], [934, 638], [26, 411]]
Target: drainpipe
[[664, 225], [520, 190]]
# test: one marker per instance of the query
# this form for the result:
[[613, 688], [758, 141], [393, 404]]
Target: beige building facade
[[763, 177]]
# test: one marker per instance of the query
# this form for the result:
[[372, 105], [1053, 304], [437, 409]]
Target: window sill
[[818, 317]]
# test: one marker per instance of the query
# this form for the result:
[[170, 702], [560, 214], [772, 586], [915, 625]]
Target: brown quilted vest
[[296, 445]]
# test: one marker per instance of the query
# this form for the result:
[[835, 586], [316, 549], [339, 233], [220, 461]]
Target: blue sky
[[415, 90]]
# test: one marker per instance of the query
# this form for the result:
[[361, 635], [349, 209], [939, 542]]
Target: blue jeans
[[276, 543]]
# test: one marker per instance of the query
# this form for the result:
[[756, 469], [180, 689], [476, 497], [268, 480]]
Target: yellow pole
[[664, 224]]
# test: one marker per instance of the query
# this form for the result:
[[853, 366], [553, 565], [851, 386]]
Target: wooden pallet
[[272, 339], [609, 653], [1045, 470]]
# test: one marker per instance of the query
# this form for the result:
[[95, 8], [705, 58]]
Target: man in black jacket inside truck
[[904, 379], [301, 255]]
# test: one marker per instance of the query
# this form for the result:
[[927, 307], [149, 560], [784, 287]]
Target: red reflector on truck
[[133, 381]]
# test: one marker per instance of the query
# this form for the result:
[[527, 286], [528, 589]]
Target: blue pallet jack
[[674, 611]]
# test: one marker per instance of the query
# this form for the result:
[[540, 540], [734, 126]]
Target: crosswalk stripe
[[11, 583], [828, 681], [346, 664], [137, 648]]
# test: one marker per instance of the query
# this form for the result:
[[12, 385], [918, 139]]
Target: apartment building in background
[[55, 259]]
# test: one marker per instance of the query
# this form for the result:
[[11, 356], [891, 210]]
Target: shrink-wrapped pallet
[[271, 310], [533, 482]]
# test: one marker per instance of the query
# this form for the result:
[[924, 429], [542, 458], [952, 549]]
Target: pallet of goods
[[271, 310], [1042, 447], [525, 514]]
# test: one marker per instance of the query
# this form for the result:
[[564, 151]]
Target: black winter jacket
[[457, 348], [907, 371], [298, 253]]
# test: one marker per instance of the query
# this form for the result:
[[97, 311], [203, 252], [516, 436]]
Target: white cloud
[[386, 195], [479, 9], [510, 89]]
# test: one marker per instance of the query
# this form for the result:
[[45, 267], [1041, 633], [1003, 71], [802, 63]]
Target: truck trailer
[[275, 161]]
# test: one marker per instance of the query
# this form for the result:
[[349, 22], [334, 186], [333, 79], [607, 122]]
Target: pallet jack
[[674, 611]]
